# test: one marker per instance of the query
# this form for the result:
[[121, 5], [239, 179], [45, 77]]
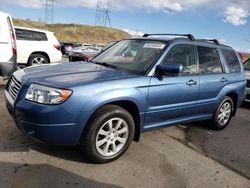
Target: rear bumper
[[56, 56]]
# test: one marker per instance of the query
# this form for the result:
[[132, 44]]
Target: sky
[[226, 20]]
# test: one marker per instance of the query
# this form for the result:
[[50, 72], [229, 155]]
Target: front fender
[[137, 96], [87, 99]]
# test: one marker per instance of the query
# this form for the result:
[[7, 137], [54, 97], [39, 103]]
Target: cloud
[[24, 3], [234, 12], [41, 3], [236, 15], [246, 40], [134, 33], [222, 41]]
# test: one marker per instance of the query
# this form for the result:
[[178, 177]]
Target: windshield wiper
[[105, 65]]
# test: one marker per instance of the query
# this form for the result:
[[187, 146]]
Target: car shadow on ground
[[43, 175], [16, 141], [246, 105]]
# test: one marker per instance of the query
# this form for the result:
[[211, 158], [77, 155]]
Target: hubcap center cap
[[112, 136]]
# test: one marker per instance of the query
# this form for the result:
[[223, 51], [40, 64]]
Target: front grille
[[248, 83], [13, 87]]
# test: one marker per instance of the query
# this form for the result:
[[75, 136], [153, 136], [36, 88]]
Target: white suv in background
[[7, 46], [37, 47]]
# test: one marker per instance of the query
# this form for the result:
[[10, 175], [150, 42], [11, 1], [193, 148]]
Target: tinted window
[[23, 34], [232, 61], [209, 61], [184, 55]]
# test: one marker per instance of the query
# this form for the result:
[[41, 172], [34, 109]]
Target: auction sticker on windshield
[[154, 45]]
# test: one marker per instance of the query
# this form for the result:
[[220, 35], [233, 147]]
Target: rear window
[[232, 61], [209, 61], [23, 34]]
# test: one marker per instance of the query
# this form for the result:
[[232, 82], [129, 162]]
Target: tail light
[[13, 42], [57, 46], [12, 36]]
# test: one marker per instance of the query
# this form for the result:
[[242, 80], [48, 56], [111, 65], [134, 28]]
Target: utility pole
[[103, 11], [49, 11]]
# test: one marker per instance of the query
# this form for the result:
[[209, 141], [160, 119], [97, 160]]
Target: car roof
[[198, 42], [4, 14], [32, 29]]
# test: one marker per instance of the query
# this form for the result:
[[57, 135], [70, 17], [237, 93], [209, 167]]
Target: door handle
[[223, 80], [191, 82]]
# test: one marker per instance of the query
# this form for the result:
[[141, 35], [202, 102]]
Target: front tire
[[223, 114], [108, 134]]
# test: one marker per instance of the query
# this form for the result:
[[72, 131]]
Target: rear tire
[[108, 134], [223, 114], [37, 59]]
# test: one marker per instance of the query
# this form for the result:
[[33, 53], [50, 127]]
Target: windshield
[[247, 65], [133, 55]]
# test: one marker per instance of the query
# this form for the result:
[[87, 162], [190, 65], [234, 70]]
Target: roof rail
[[190, 36], [210, 40]]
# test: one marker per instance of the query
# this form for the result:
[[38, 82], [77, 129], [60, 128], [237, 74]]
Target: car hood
[[66, 75]]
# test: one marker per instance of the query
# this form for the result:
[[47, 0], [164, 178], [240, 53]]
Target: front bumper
[[52, 125]]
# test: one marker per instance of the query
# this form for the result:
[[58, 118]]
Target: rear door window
[[209, 61], [232, 61], [23, 34]]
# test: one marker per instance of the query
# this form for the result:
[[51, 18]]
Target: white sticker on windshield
[[154, 45]]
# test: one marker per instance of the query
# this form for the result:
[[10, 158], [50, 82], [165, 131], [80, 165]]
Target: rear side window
[[23, 34], [232, 61], [209, 61]]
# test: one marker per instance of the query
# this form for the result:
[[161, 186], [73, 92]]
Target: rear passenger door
[[172, 98], [212, 79]]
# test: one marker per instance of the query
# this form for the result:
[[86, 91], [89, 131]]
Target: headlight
[[47, 95]]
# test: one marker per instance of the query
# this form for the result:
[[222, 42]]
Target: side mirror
[[169, 68]]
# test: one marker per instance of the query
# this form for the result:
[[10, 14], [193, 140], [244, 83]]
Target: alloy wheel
[[112, 137], [224, 113]]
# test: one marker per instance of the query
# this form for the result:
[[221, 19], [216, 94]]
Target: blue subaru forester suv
[[135, 85]]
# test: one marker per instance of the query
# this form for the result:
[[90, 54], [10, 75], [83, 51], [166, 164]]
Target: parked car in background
[[7, 46], [84, 53], [36, 47], [87, 53], [65, 46], [244, 56], [134, 86], [247, 72]]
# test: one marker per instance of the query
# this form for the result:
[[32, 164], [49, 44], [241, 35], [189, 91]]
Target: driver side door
[[172, 98]]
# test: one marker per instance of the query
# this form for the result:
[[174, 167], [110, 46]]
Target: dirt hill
[[76, 32]]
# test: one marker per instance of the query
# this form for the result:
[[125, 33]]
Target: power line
[[103, 11], [49, 11]]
